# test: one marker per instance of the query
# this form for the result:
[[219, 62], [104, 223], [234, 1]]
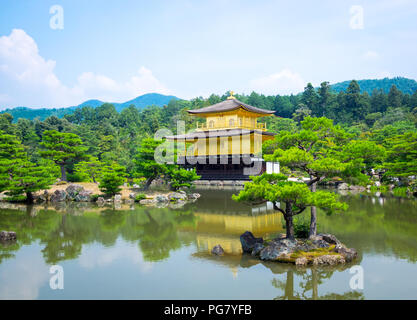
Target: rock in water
[[257, 249], [73, 190], [58, 196], [343, 186], [7, 235], [329, 238], [101, 201], [248, 241], [217, 250], [348, 253], [83, 196], [161, 198], [117, 198], [277, 249], [176, 196]]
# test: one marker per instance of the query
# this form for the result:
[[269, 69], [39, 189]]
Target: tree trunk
[[289, 227], [29, 197], [63, 173], [313, 215], [148, 183]]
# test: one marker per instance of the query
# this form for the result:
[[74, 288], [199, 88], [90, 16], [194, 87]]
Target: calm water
[[149, 253]]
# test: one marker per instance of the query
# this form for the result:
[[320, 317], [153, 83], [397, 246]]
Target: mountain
[[403, 84], [139, 102]]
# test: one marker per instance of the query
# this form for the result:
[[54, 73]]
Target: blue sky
[[117, 50]]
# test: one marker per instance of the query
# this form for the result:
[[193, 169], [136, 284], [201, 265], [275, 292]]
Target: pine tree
[[62, 148], [18, 176]]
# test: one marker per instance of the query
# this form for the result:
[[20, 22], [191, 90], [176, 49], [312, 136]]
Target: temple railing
[[223, 125]]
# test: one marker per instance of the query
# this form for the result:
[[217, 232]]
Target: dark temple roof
[[217, 133], [229, 105]]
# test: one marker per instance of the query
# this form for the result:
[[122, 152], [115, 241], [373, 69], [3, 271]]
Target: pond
[[159, 253]]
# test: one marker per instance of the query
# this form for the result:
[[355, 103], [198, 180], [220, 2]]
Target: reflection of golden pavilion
[[225, 229]]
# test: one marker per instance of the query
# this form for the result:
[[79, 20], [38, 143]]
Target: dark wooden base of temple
[[225, 167]]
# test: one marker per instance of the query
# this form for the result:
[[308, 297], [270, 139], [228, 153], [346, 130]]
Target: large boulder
[[73, 190], [193, 196], [343, 186], [117, 198], [7, 235], [248, 241], [59, 196], [101, 201], [175, 196], [349, 254], [257, 249], [329, 238], [44, 196], [278, 249], [217, 250], [84, 196], [160, 198]]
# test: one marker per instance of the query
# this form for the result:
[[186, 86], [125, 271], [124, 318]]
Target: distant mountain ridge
[[403, 84], [139, 102]]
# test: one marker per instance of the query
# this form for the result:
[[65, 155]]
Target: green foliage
[[182, 178], [140, 196], [402, 155], [18, 176], [62, 148], [296, 197], [112, 179], [301, 227], [89, 170], [145, 163]]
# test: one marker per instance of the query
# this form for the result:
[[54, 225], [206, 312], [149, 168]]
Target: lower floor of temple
[[229, 167]]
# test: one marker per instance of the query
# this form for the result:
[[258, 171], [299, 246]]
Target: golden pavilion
[[228, 144]]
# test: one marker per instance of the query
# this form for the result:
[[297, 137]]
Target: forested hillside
[[403, 84], [139, 102]]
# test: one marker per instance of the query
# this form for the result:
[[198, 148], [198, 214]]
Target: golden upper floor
[[231, 114]]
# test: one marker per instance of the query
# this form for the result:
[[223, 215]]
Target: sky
[[62, 52]]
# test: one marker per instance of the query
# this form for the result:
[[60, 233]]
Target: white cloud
[[283, 82], [93, 257], [30, 79]]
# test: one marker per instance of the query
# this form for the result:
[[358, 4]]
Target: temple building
[[228, 144]]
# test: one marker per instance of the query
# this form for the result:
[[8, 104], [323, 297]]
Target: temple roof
[[217, 133], [229, 105]]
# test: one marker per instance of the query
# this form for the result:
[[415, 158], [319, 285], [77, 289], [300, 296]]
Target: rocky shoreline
[[77, 193], [323, 249]]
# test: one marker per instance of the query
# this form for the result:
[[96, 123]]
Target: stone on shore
[[73, 190], [58, 196]]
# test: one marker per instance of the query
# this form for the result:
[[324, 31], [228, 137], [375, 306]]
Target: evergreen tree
[[90, 170], [18, 176], [112, 179], [294, 195], [62, 148]]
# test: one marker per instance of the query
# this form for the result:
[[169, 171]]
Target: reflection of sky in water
[[164, 254]]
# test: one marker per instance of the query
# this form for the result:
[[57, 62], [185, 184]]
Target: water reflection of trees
[[309, 286], [64, 233], [376, 224]]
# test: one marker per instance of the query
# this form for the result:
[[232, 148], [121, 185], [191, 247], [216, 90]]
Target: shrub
[[140, 196], [94, 197]]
